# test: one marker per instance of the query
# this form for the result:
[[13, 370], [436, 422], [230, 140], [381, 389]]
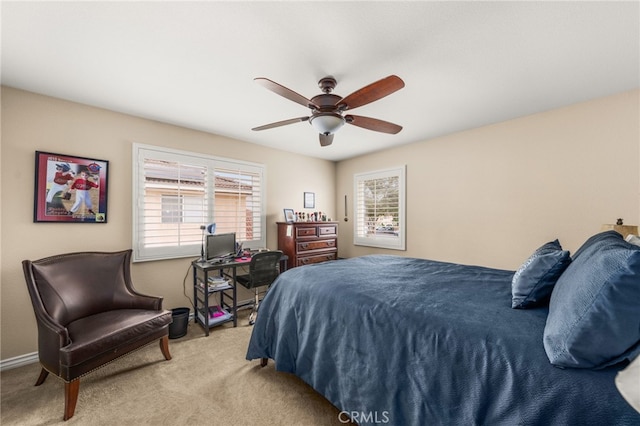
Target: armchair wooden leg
[[164, 347], [71, 390], [263, 362], [43, 376]]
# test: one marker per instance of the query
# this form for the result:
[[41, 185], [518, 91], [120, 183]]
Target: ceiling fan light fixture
[[327, 122]]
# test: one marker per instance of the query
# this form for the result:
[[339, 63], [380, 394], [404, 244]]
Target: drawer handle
[[304, 245]]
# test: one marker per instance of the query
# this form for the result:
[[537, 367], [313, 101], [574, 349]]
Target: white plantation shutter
[[239, 202], [175, 192], [380, 209]]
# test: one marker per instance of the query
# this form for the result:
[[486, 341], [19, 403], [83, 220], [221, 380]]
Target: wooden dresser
[[308, 242]]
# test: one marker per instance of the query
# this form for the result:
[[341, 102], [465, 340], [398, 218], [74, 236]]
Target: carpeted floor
[[208, 381]]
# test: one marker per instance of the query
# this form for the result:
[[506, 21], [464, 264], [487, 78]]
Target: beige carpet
[[208, 381]]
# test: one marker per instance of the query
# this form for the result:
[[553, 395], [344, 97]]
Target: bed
[[406, 341]]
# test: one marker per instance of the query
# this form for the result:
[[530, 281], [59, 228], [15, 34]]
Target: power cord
[[184, 287]]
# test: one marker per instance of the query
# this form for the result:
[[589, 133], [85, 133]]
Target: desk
[[202, 271]]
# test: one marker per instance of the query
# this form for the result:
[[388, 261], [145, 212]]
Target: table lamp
[[211, 229]]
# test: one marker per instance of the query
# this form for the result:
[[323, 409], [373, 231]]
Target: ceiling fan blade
[[281, 123], [372, 124], [285, 92], [326, 140], [372, 92]]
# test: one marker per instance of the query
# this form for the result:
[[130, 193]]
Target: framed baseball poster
[[70, 189]]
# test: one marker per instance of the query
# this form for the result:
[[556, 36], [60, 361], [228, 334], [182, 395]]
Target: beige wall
[[492, 195], [486, 196], [32, 122]]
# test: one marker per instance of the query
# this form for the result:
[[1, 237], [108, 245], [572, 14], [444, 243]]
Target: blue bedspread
[[405, 341]]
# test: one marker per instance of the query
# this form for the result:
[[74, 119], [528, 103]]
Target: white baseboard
[[18, 361]]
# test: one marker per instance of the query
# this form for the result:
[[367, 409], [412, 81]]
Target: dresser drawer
[[315, 245], [327, 230], [306, 231], [308, 260]]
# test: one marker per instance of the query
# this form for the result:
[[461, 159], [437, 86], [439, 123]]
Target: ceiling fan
[[327, 109]]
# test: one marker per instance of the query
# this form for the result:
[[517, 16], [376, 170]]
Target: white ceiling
[[465, 64]]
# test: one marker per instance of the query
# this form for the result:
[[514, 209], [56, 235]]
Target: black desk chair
[[263, 270]]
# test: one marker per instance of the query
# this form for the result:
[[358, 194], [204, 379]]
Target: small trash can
[[178, 327]]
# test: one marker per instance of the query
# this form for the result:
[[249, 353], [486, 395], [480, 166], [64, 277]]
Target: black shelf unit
[[203, 292]]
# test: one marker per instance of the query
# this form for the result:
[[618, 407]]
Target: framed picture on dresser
[[289, 215]]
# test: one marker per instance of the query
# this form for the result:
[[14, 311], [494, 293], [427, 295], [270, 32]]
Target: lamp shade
[[327, 122], [210, 228]]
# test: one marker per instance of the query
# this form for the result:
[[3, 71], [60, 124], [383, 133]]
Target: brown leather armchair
[[89, 314]]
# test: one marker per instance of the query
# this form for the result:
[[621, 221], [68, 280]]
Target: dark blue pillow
[[533, 282], [594, 312], [595, 240]]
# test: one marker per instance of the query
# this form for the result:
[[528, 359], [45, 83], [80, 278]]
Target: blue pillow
[[533, 282], [594, 312], [594, 241]]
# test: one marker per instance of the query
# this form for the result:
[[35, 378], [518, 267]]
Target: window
[[181, 208], [176, 192], [379, 209]]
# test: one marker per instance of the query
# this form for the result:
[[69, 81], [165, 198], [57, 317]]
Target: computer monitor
[[220, 245]]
